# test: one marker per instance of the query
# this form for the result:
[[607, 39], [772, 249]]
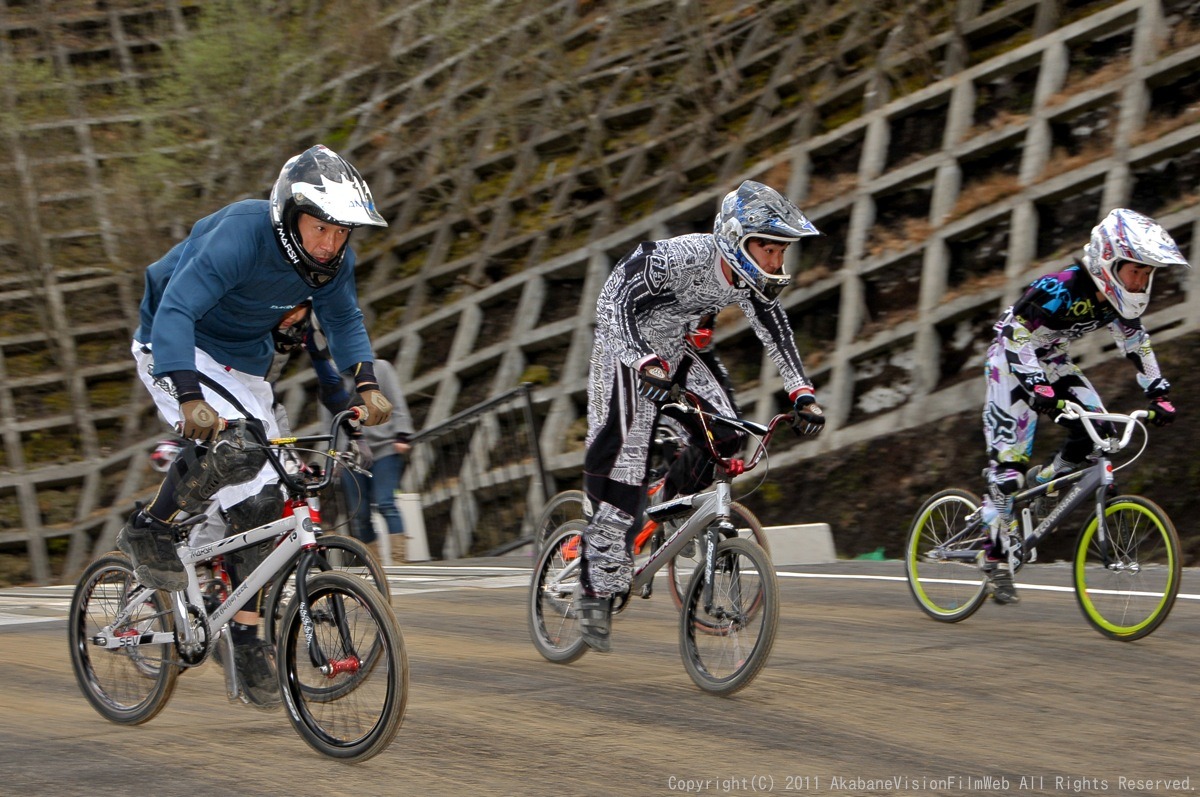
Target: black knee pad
[[256, 510], [248, 515], [224, 463]]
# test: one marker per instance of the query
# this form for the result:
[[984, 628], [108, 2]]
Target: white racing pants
[[254, 393]]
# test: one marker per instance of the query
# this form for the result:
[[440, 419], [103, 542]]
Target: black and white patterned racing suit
[[643, 311]]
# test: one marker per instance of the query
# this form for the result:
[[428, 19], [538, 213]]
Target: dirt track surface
[[863, 695]]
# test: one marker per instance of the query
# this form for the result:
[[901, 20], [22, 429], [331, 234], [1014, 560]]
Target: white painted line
[[16, 619], [1021, 584]]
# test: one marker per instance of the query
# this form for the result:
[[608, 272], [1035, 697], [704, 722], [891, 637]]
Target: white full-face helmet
[[323, 184], [1128, 236], [755, 210]]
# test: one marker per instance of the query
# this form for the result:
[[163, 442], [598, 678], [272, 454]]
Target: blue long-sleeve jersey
[[224, 288]]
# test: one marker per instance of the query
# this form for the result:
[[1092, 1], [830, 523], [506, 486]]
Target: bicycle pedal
[[647, 591]]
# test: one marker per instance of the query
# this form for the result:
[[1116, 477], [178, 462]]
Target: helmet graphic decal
[[1126, 236], [755, 210], [320, 183]]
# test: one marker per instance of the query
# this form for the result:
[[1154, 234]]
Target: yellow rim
[[1081, 555]]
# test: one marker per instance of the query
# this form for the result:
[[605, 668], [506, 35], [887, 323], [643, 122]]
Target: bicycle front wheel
[[344, 554], [564, 506], [128, 685], [353, 707], [725, 645], [682, 565], [1127, 583], [553, 621], [939, 557]]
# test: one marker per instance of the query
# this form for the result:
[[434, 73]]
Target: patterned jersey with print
[[1058, 308], [656, 292]]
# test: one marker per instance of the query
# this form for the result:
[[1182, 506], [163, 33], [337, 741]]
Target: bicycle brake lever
[[348, 461]]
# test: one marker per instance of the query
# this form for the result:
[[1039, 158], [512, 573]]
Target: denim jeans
[[378, 493]]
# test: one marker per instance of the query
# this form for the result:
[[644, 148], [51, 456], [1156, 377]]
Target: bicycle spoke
[[553, 623], [1127, 583], [725, 645], [128, 685], [940, 557], [681, 567], [352, 707]]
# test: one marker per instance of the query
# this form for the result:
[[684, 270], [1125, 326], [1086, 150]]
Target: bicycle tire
[[682, 565], [563, 506], [725, 661], [345, 554], [1130, 594], [553, 622], [948, 590], [373, 690], [131, 685]]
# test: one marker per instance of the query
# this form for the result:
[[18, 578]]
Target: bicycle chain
[[199, 621]]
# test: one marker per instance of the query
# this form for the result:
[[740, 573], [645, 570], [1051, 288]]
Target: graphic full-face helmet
[[324, 185], [1126, 236], [755, 210]]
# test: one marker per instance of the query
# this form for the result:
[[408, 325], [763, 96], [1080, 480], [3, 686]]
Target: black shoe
[[150, 544], [595, 621], [256, 673], [1000, 577]]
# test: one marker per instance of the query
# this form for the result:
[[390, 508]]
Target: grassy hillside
[[869, 501]]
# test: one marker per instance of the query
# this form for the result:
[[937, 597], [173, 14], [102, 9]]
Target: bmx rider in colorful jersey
[[1029, 370]]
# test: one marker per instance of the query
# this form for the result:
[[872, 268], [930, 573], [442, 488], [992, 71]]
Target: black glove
[[1162, 411], [1043, 401], [809, 418], [654, 382]]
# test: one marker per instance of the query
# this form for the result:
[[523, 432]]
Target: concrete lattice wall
[[944, 175], [896, 305]]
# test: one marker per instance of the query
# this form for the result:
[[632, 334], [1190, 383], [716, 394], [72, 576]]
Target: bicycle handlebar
[[688, 402], [341, 422], [1076, 412]]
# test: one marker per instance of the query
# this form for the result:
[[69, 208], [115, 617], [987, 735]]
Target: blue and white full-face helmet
[[1128, 236], [755, 210], [323, 184]]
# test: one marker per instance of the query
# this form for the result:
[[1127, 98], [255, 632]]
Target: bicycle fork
[[712, 537], [347, 660], [719, 530]]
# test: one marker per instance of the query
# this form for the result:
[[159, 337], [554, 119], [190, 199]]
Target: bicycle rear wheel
[[553, 622], [344, 554], [564, 506], [354, 710], [726, 645], [1127, 585], [939, 557], [132, 684], [682, 566]]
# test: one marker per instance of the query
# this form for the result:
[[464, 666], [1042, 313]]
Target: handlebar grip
[[222, 425]]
